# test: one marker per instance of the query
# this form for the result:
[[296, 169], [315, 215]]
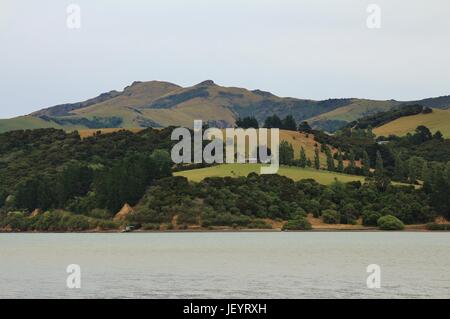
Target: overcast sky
[[302, 48]]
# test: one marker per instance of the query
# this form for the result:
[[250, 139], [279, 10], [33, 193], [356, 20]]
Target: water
[[226, 265]]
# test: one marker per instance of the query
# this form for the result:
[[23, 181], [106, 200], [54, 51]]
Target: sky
[[314, 49]]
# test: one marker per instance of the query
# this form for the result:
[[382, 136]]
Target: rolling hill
[[438, 120], [160, 104]]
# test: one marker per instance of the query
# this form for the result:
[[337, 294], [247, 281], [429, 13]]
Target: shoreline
[[319, 230]]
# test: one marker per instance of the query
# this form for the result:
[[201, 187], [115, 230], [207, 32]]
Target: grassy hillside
[[296, 139], [438, 120], [355, 110], [25, 122], [160, 104], [295, 173]]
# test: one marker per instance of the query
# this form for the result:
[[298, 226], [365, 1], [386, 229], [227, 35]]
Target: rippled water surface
[[226, 265]]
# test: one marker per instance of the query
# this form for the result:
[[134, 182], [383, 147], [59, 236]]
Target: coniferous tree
[[379, 167], [340, 167], [365, 164], [438, 136], [302, 161], [286, 153], [247, 122], [351, 168], [273, 122], [399, 171], [330, 160], [289, 123], [316, 158]]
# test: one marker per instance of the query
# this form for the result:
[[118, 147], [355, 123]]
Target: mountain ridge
[[160, 104]]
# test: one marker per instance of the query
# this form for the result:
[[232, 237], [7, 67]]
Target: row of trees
[[334, 161], [274, 121]]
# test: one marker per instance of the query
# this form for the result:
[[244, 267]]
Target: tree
[[304, 127], [286, 153], [74, 181], [348, 214], [126, 181], [365, 164], [35, 192], [330, 160], [303, 160], [340, 167], [331, 216], [351, 169], [289, 123], [438, 136], [273, 122], [247, 122], [379, 169], [316, 158], [422, 134], [161, 164], [370, 133], [399, 168]]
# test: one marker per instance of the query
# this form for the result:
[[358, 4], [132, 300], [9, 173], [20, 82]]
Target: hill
[[438, 120], [161, 104], [294, 173]]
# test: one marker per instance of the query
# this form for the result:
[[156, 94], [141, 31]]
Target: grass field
[[295, 173], [438, 120]]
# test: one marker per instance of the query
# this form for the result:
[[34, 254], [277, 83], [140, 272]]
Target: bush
[[370, 218], [390, 222], [331, 216], [16, 221], [259, 224], [170, 226], [300, 223], [435, 226], [150, 226], [348, 214], [107, 225]]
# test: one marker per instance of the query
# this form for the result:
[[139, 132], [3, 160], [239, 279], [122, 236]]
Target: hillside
[[438, 120], [294, 173], [161, 104]]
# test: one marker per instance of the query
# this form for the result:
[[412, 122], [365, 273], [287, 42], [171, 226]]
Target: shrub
[[331, 216], [435, 226], [17, 221], [107, 224], [348, 214], [370, 218], [150, 226], [300, 223], [259, 224], [170, 226], [390, 222]]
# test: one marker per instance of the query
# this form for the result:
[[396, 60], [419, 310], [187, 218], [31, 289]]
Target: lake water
[[226, 265]]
